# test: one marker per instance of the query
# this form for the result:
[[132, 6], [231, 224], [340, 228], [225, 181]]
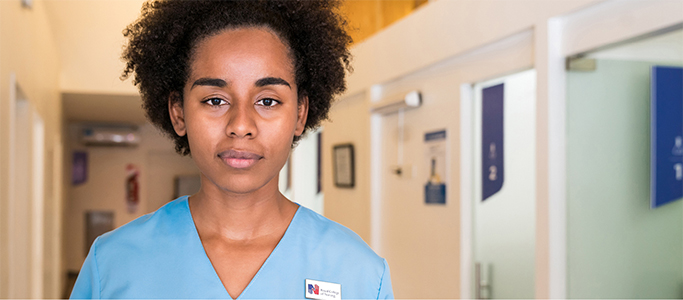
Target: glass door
[[504, 191], [620, 245]]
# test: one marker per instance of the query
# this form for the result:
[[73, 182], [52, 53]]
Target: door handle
[[480, 283]]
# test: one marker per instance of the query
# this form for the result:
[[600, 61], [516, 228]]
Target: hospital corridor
[[486, 149]]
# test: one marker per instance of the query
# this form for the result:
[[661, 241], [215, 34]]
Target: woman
[[235, 84]]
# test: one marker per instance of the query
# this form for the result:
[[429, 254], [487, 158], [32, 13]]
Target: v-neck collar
[[205, 257]]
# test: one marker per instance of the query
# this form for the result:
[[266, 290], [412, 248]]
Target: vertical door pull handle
[[480, 283]]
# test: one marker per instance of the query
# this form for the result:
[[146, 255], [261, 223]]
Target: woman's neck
[[240, 217]]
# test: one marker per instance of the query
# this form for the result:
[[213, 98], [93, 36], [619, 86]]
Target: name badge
[[321, 290]]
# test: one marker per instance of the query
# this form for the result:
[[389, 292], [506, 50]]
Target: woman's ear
[[175, 110], [301, 116]]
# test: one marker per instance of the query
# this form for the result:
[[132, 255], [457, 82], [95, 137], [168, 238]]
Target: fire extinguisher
[[132, 188]]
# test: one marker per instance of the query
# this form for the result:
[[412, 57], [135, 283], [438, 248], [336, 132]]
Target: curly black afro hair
[[161, 44]]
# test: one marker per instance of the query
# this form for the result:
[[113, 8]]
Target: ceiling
[[103, 108]]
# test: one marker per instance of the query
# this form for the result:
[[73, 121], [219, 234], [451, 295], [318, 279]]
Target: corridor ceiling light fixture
[[410, 100], [126, 136]]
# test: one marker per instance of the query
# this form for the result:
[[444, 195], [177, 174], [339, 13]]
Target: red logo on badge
[[313, 289]]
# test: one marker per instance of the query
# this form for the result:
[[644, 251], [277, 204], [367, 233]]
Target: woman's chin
[[243, 186]]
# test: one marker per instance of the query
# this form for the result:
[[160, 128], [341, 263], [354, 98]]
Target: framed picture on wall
[[319, 163], [344, 170]]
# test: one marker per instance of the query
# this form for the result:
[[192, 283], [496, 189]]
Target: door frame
[[467, 97], [36, 193]]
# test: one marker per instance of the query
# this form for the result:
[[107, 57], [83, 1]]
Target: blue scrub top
[[160, 255]]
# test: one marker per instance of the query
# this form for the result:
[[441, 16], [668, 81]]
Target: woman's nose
[[241, 121]]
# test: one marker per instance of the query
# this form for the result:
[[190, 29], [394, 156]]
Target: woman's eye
[[268, 102], [215, 101]]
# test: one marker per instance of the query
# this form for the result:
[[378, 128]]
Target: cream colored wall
[[348, 124], [27, 49], [90, 43], [105, 188], [163, 165], [439, 31]]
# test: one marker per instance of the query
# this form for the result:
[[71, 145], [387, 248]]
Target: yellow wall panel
[[367, 17]]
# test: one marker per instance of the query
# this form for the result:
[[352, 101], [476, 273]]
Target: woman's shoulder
[[324, 250], [148, 229], [326, 233]]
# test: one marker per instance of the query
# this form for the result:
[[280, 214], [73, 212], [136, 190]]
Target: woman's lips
[[239, 159]]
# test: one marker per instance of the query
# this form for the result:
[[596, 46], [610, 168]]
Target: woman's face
[[240, 110]]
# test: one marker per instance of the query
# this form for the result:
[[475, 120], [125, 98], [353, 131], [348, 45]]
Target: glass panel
[[618, 247], [504, 223]]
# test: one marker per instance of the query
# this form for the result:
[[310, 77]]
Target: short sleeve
[[88, 282], [385, 289]]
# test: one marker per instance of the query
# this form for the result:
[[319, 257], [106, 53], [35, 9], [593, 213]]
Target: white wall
[[305, 173]]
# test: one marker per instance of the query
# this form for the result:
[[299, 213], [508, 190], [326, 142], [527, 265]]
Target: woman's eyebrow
[[272, 81], [209, 82]]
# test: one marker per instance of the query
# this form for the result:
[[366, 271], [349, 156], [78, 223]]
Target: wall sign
[[492, 146], [435, 161], [666, 155], [344, 173], [79, 169]]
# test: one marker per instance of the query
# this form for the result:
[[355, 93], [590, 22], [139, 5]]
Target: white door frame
[[11, 187], [37, 205], [36, 158], [466, 189], [483, 54]]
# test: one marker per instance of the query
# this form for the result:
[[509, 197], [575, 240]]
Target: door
[[620, 245], [504, 186]]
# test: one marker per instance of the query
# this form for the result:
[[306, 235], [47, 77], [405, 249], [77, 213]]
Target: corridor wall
[[104, 190], [29, 55], [440, 31], [90, 35]]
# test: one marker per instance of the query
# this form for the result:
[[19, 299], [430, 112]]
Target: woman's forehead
[[244, 48]]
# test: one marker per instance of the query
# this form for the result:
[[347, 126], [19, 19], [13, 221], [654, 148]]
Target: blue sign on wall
[[666, 174], [435, 188], [492, 147]]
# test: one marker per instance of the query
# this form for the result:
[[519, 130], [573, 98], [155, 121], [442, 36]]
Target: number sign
[[666, 174], [492, 147]]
